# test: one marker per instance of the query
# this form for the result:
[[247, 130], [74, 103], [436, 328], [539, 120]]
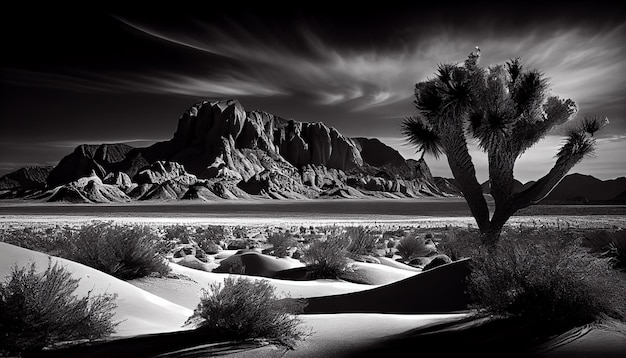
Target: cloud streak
[[583, 65]]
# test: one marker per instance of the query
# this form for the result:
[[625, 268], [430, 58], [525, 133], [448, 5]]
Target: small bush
[[209, 238], [611, 244], [122, 251], [282, 242], [412, 246], [242, 308], [180, 233], [547, 279], [362, 241], [53, 241], [459, 244], [39, 309], [326, 258]]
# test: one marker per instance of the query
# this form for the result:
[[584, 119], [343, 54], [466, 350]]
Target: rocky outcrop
[[89, 189], [121, 180], [26, 178], [86, 159], [163, 181], [447, 186], [220, 151]]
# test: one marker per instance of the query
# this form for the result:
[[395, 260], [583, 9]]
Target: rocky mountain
[[26, 178], [448, 186], [89, 189], [221, 151]]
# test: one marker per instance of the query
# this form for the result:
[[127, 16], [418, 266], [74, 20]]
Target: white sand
[[284, 288], [140, 312]]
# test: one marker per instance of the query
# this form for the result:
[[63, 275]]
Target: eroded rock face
[[88, 189], [160, 172], [121, 180], [447, 187]]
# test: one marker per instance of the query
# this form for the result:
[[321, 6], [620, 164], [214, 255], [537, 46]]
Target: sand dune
[[142, 312], [393, 263], [376, 274], [438, 290], [295, 289], [255, 264]]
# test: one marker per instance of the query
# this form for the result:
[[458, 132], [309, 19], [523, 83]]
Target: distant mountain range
[[580, 189], [586, 188], [220, 151]]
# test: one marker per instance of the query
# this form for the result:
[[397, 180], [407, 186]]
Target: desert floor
[[157, 305]]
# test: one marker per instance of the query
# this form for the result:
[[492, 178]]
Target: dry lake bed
[[428, 212]]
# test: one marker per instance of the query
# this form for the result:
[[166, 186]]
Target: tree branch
[[544, 186]]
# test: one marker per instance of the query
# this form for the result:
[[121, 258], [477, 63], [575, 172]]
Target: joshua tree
[[507, 110]]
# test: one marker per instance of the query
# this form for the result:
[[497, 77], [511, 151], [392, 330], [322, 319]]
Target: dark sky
[[72, 77]]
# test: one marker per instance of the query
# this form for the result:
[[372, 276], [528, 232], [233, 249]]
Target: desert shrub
[[53, 241], [180, 233], [545, 278], [611, 244], [40, 309], [618, 250], [326, 258], [239, 232], [282, 242], [126, 252], [412, 246], [209, 238], [361, 240], [459, 243], [394, 233], [242, 308]]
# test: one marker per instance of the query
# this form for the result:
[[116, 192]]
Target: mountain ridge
[[221, 151], [575, 188]]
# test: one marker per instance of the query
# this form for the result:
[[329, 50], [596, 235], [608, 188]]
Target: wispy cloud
[[582, 65]]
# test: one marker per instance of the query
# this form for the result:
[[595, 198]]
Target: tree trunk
[[491, 236], [501, 180], [463, 170]]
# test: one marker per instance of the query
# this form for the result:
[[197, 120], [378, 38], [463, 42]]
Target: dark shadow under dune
[[192, 343], [440, 290], [484, 337]]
